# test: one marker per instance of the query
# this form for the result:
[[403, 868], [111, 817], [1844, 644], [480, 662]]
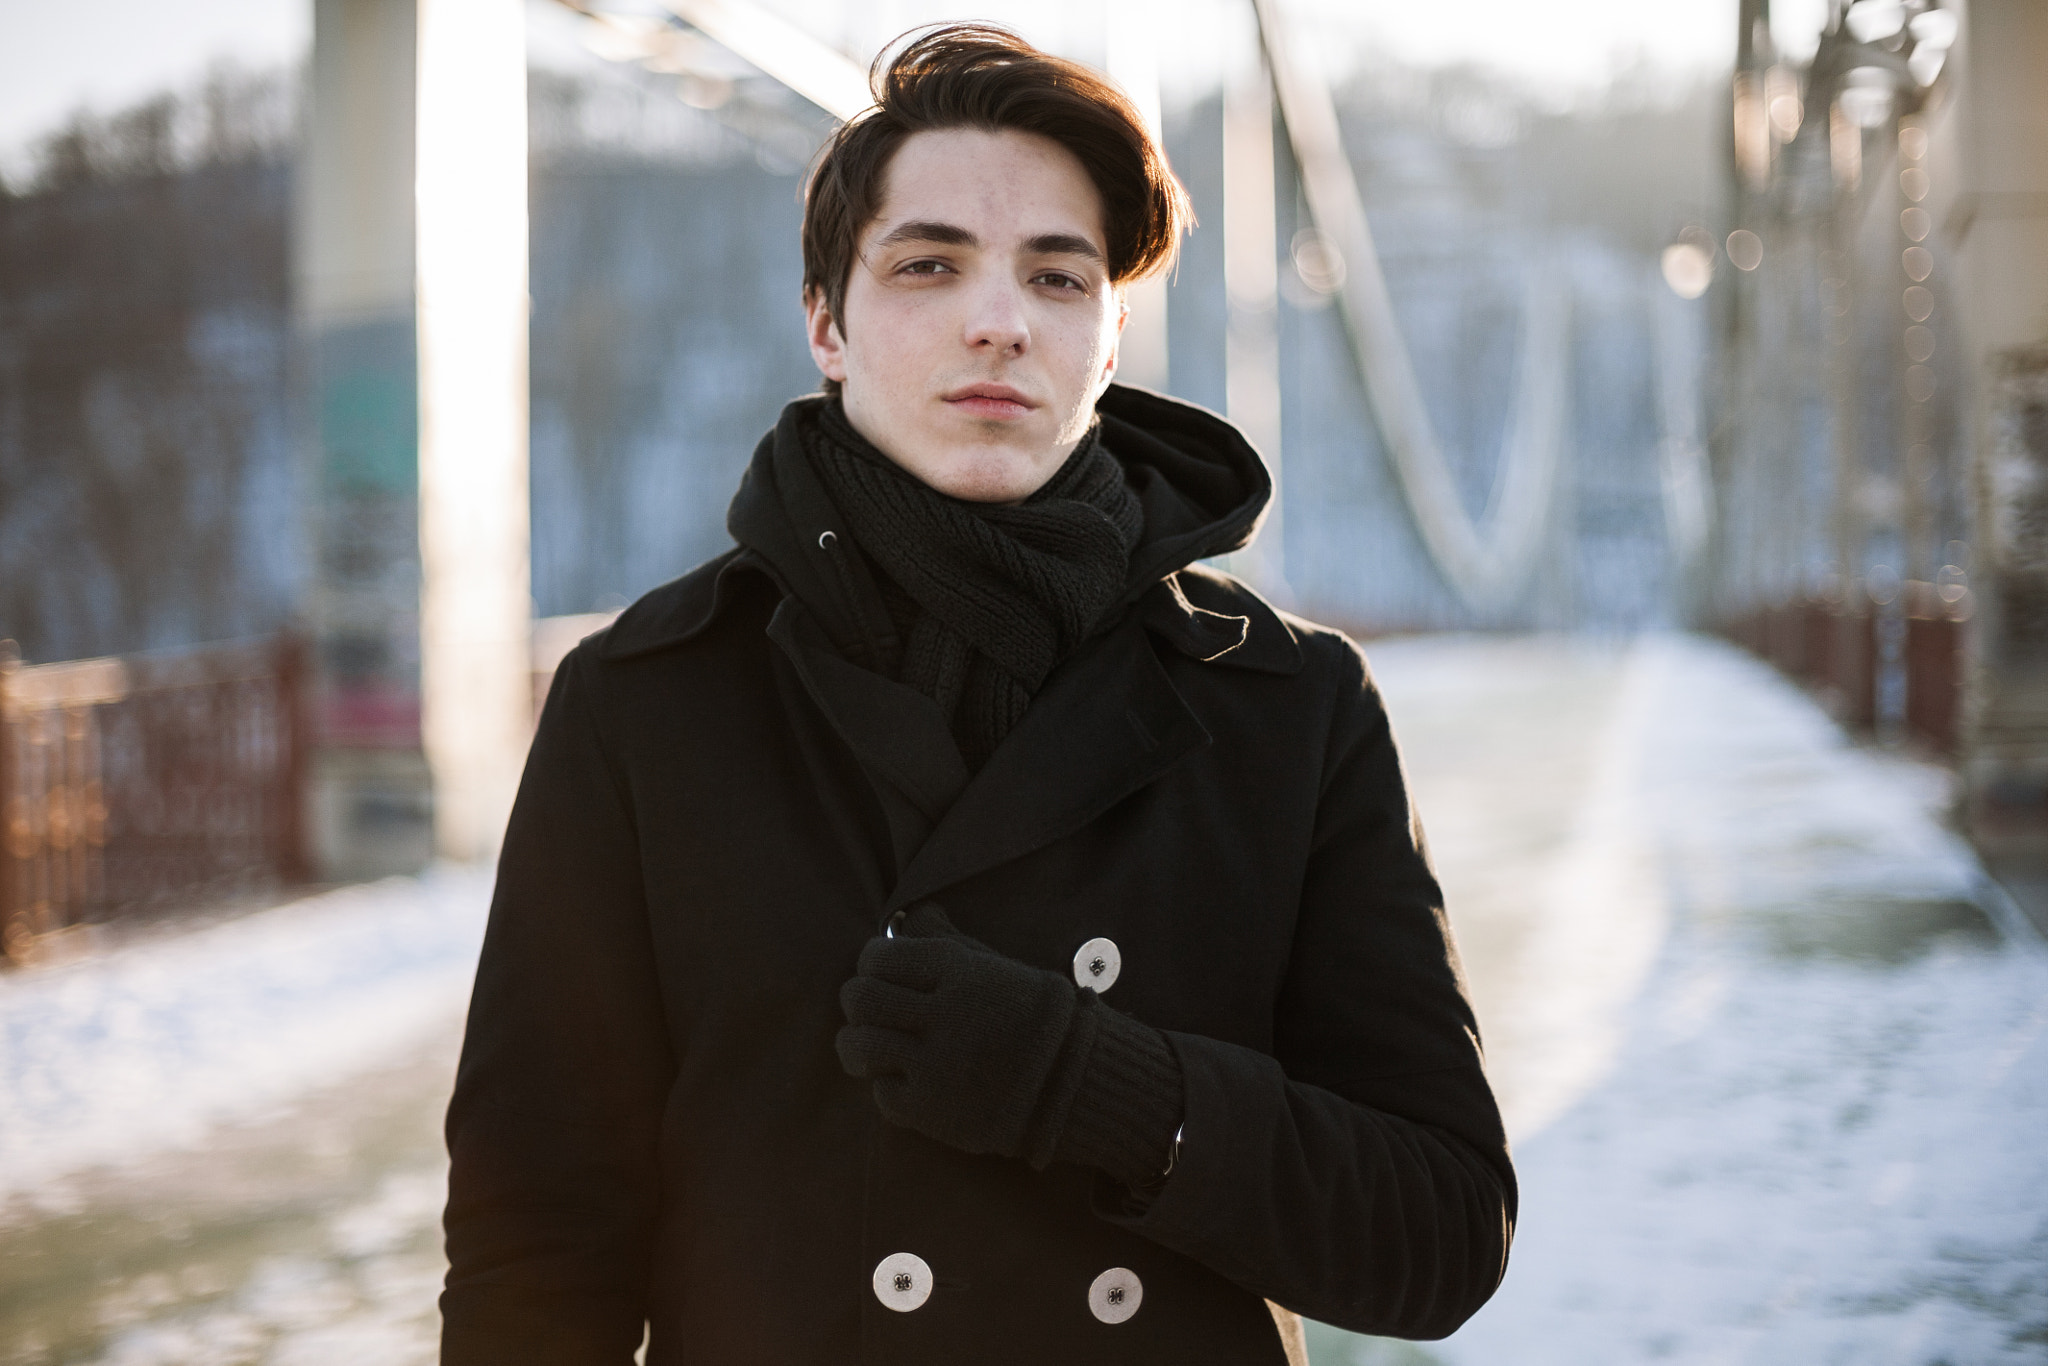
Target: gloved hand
[[991, 1055]]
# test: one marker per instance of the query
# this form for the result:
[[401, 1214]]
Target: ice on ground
[[1813, 1132], [152, 1045]]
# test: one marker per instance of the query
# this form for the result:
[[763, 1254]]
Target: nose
[[996, 319]]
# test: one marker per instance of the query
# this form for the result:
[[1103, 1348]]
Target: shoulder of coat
[[677, 611]]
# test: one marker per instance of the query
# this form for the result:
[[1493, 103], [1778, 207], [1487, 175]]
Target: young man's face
[[980, 323]]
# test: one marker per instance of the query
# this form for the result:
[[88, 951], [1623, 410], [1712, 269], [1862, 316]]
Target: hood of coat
[[1204, 491]]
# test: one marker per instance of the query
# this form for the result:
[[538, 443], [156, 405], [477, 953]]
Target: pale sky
[[58, 54]]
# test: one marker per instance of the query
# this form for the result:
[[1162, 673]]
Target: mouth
[[998, 401]]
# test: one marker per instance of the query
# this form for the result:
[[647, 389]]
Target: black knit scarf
[[986, 598]]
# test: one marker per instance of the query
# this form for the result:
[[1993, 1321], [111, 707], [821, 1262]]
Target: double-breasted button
[[1096, 964], [903, 1281], [1116, 1294]]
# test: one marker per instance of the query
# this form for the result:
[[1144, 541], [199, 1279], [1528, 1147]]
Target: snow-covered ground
[[1800, 1115], [157, 1043], [219, 1146], [1778, 1090]]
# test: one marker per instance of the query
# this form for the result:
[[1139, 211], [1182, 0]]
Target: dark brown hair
[[982, 76]]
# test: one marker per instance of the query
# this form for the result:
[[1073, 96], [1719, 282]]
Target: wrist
[[1126, 1111]]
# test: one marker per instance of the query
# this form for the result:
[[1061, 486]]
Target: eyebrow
[[953, 235], [1063, 244], [923, 230]]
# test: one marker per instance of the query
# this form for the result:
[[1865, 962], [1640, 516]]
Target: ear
[[828, 346], [1123, 315]]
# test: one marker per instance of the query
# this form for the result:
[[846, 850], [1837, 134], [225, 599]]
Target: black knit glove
[[995, 1056]]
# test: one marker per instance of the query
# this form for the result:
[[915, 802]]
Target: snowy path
[[152, 1045], [221, 1146], [1813, 1131]]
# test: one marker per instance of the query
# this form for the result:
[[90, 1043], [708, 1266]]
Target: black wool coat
[[651, 1125]]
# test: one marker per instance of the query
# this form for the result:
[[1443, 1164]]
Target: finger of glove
[[1011, 1017], [871, 1051], [920, 964], [989, 1043], [872, 1001]]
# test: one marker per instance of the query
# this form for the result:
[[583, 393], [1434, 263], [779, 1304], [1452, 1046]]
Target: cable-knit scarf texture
[[985, 598]]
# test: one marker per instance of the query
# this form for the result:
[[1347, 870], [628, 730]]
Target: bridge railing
[[1843, 648], [135, 782]]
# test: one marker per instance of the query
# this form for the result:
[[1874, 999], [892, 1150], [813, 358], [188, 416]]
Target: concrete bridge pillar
[[411, 299], [1993, 211], [370, 798]]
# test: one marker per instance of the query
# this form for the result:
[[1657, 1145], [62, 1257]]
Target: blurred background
[[1660, 393]]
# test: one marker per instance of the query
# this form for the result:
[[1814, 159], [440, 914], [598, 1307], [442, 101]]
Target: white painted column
[[1251, 278], [476, 608], [1132, 44]]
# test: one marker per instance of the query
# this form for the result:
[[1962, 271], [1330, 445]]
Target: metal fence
[[131, 783], [1892, 666]]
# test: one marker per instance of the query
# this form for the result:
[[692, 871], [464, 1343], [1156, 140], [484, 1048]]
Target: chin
[[987, 477], [991, 487]]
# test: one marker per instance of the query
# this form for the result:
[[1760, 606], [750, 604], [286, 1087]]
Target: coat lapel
[[1106, 723], [895, 731]]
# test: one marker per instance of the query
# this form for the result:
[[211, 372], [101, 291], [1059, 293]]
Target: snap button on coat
[[1116, 1295], [1097, 963], [903, 1282]]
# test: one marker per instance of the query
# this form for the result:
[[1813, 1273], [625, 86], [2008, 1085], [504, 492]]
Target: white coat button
[[1116, 1295], [1096, 964], [903, 1281]]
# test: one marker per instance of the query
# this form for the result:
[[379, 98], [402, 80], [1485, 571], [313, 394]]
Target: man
[[953, 926]]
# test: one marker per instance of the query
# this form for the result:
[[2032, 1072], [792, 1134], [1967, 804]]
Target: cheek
[[891, 339], [1086, 348]]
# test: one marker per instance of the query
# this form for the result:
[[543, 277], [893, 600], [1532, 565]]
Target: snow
[[365, 1292], [154, 1044], [1812, 1129]]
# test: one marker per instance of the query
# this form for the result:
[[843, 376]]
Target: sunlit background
[[1658, 391]]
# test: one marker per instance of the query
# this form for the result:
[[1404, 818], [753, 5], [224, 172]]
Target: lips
[[990, 400]]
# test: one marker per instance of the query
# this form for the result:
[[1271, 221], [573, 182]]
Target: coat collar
[[677, 611], [1203, 614], [1212, 617], [895, 731]]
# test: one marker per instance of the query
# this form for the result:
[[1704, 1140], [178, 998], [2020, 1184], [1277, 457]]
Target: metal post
[[369, 790]]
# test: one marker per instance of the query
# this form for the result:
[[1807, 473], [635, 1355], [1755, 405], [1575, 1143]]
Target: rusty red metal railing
[[134, 782], [1836, 648]]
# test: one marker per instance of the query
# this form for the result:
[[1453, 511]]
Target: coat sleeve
[[1360, 1175], [554, 1186]]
